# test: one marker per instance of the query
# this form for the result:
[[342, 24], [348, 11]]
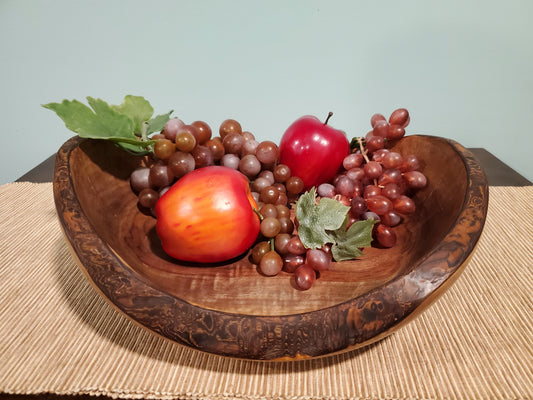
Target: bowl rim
[[199, 328]]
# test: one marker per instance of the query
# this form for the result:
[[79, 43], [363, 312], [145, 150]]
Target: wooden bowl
[[230, 309]]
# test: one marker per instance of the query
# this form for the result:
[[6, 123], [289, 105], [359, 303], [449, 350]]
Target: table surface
[[497, 172]]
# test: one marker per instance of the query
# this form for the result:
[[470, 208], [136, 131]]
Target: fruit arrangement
[[298, 207]]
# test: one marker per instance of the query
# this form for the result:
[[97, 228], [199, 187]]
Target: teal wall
[[464, 69]]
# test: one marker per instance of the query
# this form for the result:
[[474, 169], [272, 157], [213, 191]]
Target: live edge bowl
[[230, 309]]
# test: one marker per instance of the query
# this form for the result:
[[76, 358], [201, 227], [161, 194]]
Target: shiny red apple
[[313, 150]]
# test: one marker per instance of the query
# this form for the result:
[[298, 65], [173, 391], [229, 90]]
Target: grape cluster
[[181, 148], [373, 181], [376, 182]]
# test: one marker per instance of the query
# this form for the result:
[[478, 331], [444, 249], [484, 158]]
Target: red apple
[[208, 216], [313, 150]]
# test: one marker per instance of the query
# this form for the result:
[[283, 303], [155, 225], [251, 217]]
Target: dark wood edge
[[497, 172], [348, 326]]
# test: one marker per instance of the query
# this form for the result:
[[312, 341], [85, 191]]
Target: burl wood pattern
[[230, 309]]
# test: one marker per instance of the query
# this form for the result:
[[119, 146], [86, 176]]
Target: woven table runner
[[58, 335]]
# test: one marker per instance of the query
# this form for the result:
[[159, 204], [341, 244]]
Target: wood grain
[[229, 308]]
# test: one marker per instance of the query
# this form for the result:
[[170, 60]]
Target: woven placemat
[[58, 335]]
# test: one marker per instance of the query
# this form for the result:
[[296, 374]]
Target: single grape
[[233, 143], [391, 218], [370, 215], [185, 141], [140, 179], [392, 159], [375, 118], [344, 186], [356, 174], [295, 245], [148, 198], [317, 259], [164, 148], [217, 148], [292, 261], [391, 175], [269, 210], [202, 156], [204, 131], [157, 136], [267, 152], [259, 250], [160, 176], [415, 179], [171, 128], [268, 175], [271, 263], [370, 191], [270, 195], [280, 243], [181, 163], [286, 225], [381, 128], [385, 235], [280, 187], [379, 204], [410, 163], [248, 136], [326, 190], [230, 160], [229, 126], [283, 211], [378, 155], [395, 132], [358, 189], [404, 205], [249, 146], [281, 173], [391, 191], [373, 169], [358, 206], [249, 165], [305, 277], [375, 143], [399, 117], [294, 185], [353, 160], [259, 184]]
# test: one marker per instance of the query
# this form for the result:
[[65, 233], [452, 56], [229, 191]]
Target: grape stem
[[364, 153], [144, 136], [362, 148]]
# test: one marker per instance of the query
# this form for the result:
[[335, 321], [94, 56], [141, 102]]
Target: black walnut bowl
[[229, 309]]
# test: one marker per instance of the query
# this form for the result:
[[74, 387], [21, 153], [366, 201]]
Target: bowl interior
[[99, 173]]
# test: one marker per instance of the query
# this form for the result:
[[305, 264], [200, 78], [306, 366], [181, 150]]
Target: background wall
[[464, 69]]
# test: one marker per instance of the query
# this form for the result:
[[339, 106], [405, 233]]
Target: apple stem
[[327, 119], [258, 213]]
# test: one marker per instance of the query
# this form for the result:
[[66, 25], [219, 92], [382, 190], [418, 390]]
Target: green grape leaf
[[102, 122], [317, 220], [138, 109], [157, 123], [126, 125], [348, 242]]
